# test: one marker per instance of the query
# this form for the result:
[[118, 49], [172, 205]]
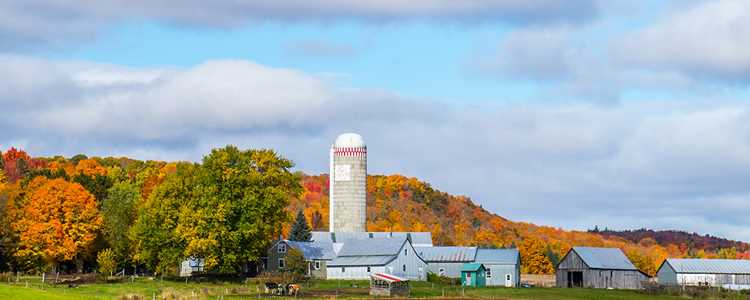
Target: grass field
[[311, 290]]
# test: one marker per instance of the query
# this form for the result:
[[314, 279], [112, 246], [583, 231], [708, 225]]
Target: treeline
[[77, 214], [398, 203], [691, 242], [81, 213]]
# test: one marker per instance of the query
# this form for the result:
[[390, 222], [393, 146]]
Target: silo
[[348, 184]]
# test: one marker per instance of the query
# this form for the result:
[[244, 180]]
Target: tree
[[533, 258], [107, 261], [295, 262], [300, 229], [119, 214], [96, 184], [59, 221]]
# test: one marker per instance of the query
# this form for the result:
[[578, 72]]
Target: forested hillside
[[151, 214]]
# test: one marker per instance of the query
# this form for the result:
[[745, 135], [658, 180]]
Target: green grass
[[311, 290]]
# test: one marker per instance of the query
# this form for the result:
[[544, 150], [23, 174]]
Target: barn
[[502, 266], [447, 261], [317, 254], [361, 258], [590, 267], [727, 273]]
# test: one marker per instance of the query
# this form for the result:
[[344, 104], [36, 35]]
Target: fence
[[538, 280]]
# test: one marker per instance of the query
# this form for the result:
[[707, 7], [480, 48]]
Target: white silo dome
[[349, 140]]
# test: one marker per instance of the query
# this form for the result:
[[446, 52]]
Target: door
[[575, 279], [508, 280]]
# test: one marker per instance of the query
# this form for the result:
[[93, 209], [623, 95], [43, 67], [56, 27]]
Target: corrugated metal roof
[[604, 258], [418, 238], [343, 261], [371, 247], [314, 249], [388, 277], [710, 266], [447, 254], [497, 256], [471, 267]]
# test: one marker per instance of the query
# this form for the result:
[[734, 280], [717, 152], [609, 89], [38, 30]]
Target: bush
[[435, 278], [107, 262]]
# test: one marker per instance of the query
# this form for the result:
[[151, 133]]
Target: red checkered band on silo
[[350, 151]]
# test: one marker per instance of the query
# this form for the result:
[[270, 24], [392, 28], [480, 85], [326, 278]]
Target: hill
[[394, 203], [399, 203]]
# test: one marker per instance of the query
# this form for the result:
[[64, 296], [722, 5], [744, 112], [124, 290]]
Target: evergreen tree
[[300, 229]]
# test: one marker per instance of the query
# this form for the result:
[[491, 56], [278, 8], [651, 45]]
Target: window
[[404, 268], [441, 272], [317, 265], [343, 269], [405, 252], [507, 277], [282, 263], [282, 248], [468, 275], [368, 269], [488, 272]]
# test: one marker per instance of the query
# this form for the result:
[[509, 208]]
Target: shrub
[[107, 262]]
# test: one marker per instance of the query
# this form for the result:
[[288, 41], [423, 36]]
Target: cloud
[[660, 164], [25, 24], [707, 40]]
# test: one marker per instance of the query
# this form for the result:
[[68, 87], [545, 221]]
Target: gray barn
[[447, 261], [589, 267], [317, 254], [726, 273], [502, 266]]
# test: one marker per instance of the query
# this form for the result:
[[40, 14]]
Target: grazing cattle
[[293, 289], [271, 287]]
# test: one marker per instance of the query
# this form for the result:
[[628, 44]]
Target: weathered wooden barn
[[589, 267], [726, 273]]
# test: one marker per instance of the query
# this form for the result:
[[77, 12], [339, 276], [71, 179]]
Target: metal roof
[[471, 267], [417, 238], [372, 247], [447, 254], [314, 249], [379, 260], [388, 277], [709, 266], [604, 258], [497, 256]]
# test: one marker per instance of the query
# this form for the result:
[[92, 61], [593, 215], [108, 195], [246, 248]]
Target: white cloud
[[25, 24], [708, 40], [657, 164]]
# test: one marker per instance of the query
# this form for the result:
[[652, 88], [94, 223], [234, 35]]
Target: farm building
[[473, 274], [503, 266], [726, 273], [190, 266], [447, 261], [590, 267], [389, 285], [317, 254], [361, 258]]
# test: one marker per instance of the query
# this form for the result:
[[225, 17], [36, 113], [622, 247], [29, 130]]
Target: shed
[[389, 285], [473, 274], [591, 267], [359, 259], [502, 266], [727, 273]]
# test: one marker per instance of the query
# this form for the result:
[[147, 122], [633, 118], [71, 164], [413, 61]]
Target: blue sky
[[632, 112]]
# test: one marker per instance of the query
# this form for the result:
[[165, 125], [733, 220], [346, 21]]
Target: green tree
[[107, 261], [295, 262], [118, 210], [727, 253], [155, 240], [300, 230], [97, 185]]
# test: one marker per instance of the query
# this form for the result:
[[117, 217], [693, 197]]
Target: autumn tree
[[107, 261], [533, 258], [59, 221], [119, 215], [300, 230], [224, 210]]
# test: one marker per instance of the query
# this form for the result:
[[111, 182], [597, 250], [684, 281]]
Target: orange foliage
[[59, 221], [90, 167]]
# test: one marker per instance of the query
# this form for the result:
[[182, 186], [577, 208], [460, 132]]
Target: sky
[[570, 113]]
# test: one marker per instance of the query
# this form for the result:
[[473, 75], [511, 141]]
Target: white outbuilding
[[727, 273], [360, 259]]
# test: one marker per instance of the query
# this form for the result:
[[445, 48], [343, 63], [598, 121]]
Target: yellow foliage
[[90, 167]]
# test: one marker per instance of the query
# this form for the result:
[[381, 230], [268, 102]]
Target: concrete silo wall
[[349, 189]]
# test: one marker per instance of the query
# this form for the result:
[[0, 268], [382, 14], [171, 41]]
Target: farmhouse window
[[317, 265], [368, 269], [489, 273], [282, 263], [282, 248], [441, 272]]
